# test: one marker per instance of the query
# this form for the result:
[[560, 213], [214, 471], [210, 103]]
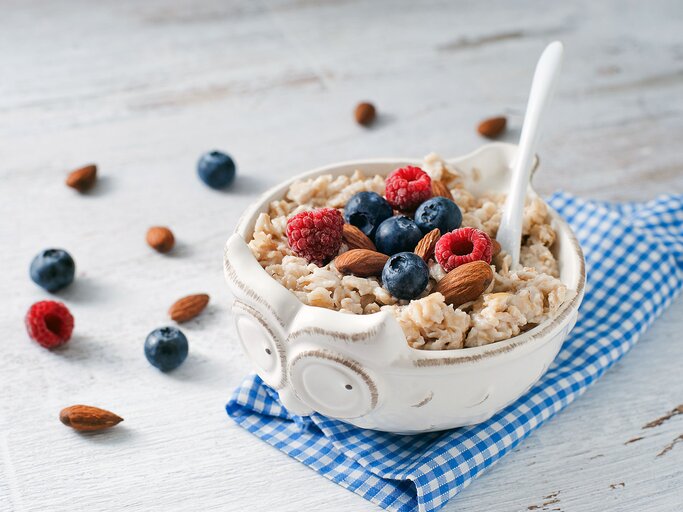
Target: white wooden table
[[142, 88]]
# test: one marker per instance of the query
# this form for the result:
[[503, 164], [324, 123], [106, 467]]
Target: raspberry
[[407, 188], [49, 323], [461, 246], [316, 234]]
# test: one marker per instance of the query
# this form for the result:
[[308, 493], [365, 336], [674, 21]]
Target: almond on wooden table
[[82, 179], [356, 239], [492, 127], [425, 247], [188, 307], [439, 189], [160, 238], [361, 262], [86, 418], [365, 113], [465, 283]]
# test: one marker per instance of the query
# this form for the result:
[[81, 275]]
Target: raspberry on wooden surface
[[49, 323]]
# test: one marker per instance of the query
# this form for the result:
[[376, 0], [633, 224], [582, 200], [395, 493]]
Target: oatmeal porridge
[[512, 302]]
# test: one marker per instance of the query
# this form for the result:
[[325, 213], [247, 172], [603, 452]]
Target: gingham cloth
[[634, 258]]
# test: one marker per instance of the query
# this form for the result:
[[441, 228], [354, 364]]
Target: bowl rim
[[431, 358]]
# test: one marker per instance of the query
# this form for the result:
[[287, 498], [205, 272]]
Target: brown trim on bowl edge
[[341, 336], [351, 364], [424, 401], [282, 354], [231, 274]]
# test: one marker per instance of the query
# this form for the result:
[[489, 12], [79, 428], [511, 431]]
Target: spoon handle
[[545, 79]]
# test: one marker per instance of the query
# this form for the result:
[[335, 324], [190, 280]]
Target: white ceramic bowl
[[359, 368]]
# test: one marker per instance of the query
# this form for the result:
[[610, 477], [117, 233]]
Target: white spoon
[[545, 79]]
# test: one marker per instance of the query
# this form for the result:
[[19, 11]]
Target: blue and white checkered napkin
[[634, 257]]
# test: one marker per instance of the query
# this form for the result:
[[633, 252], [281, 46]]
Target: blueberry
[[397, 234], [405, 275], [166, 348], [438, 212], [53, 269], [366, 211], [216, 169]]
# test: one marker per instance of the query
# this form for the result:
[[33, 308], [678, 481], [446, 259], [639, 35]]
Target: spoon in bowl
[[542, 87]]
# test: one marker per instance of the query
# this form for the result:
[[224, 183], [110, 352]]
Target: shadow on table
[[197, 368], [111, 436], [103, 186], [85, 289], [246, 184]]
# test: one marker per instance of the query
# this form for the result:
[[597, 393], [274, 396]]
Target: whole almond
[[82, 179], [160, 238], [465, 283], [356, 239], [492, 127], [365, 113], [439, 189], [425, 247], [188, 307], [495, 247], [86, 418], [361, 262]]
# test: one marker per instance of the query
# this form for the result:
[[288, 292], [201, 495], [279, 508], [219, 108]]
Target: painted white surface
[[143, 88]]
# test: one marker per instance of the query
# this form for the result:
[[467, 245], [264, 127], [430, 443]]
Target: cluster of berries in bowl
[[411, 211]]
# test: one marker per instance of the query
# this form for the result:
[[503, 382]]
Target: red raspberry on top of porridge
[[407, 188], [461, 246], [316, 235], [425, 238]]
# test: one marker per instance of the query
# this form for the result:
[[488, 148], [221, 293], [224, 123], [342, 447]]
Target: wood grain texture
[[142, 88]]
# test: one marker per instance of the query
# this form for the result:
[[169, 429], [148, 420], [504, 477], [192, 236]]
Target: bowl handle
[[251, 284]]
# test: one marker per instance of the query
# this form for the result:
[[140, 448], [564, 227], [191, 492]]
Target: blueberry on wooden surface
[[166, 348], [53, 269], [216, 169]]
